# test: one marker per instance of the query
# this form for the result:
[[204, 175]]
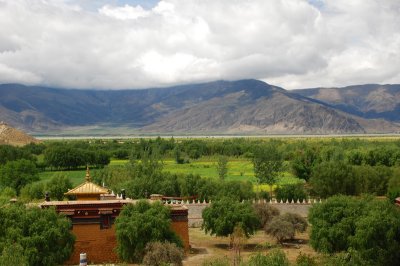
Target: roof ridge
[[87, 187]]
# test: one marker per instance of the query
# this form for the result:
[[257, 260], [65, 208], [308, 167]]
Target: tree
[[285, 226], [333, 177], [139, 224], [372, 179], [367, 229], [177, 155], [222, 167], [101, 158], [265, 213], [236, 189], [238, 240], [393, 190], [291, 192], [17, 174], [163, 253], [377, 234], [64, 157], [33, 191], [267, 162], [58, 185], [44, 235], [10, 153], [221, 217], [280, 229], [303, 162]]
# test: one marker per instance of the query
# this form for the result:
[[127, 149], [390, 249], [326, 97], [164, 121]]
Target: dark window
[[105, 221]]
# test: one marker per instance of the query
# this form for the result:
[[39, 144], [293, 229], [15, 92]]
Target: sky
[[120, 44]]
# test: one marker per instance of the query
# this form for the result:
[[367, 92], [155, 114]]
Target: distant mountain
[[221, 107], [255, 107], [367, 101]]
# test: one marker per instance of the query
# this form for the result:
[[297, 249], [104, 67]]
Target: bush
[[158, 254], [305, 260], [274, 258], [265, 213]]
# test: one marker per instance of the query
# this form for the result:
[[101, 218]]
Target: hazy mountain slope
[[267, 110], [224, 107], [368, 101]]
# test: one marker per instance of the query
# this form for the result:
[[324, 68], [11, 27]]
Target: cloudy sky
[[149, 43]]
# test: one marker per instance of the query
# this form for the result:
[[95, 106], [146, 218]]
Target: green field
[[77, 177], [238, 169]]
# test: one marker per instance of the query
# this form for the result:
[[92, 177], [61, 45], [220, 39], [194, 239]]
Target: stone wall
[[196, 208]]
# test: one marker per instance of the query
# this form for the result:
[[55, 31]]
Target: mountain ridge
[[232, 107]]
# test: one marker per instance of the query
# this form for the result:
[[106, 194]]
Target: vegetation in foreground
[[350, 231]]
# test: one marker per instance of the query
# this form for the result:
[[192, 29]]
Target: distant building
[[93, 214]]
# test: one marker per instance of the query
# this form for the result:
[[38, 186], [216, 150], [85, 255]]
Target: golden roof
[[87, 187]]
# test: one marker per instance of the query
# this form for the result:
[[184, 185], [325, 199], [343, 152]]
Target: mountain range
[[220, 107]]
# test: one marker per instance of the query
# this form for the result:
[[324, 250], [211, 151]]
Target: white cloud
[[291, 43], [125, 12]]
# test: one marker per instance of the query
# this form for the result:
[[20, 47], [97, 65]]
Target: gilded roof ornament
[[87, 177]]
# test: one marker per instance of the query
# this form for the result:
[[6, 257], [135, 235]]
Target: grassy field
[[238, 169], [76, 177]]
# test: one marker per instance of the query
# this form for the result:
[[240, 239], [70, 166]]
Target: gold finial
[[87, 177]]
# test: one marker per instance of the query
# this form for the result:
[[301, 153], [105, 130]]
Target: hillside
[[12, 136], [367, 101], [221, 107]]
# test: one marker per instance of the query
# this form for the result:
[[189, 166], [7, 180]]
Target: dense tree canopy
[[331, 178], [10, 153], [17, 174], [366, 228], [68, 157], [139, 224], [41, 235]]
